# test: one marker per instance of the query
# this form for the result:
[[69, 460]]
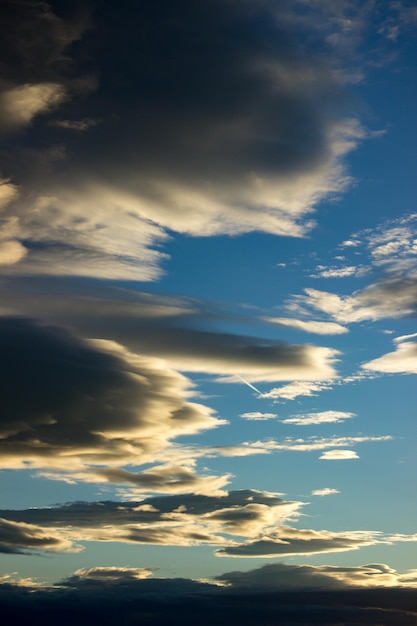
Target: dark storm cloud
[[109, 595], [215, 118]]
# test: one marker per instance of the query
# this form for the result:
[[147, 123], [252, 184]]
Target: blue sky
[[208, 259]]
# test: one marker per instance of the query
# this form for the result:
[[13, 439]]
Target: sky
[[208, 265]]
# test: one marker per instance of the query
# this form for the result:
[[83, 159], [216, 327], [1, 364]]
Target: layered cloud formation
[[184, 520]]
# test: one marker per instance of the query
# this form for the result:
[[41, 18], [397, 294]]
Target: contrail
[[248, 383]]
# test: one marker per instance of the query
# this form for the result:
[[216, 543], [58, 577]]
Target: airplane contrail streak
[[248, 383]]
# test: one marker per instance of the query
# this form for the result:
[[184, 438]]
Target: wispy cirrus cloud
[[310, 326]]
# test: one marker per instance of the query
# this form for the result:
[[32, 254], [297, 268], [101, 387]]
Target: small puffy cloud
[[402, 361], [339, 455], [319, 328], [350, 243], [20, 104], [325, 491], [322, 417], [258, 416]]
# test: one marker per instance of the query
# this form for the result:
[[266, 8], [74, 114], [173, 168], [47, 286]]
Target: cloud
[[393, 244], [11, 252], [339, 272], [182, 520], [250, 136], [34, 64], [389, 298], [19, 105], [339, 455], [310, 326], [310, 444], [35, 39], [286, 541], [322, 417], [283, 576], [325, 491], [87, 403], [23, 538], [77, 125], [271, 594], [297, 388], [166, 478], [111, 574], [258, 416], [188, 348], [8, 192], [402, 361]]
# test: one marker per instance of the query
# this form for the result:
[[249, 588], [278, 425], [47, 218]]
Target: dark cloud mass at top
[[205, 118]]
